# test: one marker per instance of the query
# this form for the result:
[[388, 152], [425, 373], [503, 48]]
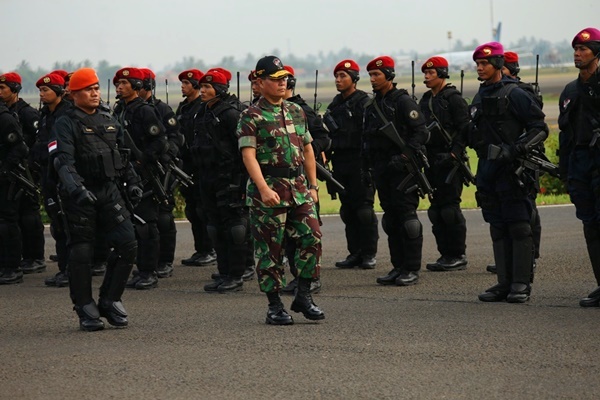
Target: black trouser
[[147, 233], [195, 214], [10, 233], [167, 231], [32, 228], [400, 220], [227, 225], [109, 216], [448, 223], [357, 210]]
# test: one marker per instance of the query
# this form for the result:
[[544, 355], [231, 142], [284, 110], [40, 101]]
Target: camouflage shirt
[[279, 134]]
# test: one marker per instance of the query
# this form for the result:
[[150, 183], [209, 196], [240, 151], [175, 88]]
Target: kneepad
[[519, 230], [413, 228], [237, 233], [81, 253], [451, 215], [127, 252], [366, 216], [212, 233], [165, 222]]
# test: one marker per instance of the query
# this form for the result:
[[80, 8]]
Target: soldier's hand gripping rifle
[[533, 160], [414, 161], [21, 183], [333, 185], [171, 170], [150, 171], [460, 161]]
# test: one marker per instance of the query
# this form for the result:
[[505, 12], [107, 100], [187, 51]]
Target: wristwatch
[[315, 187]]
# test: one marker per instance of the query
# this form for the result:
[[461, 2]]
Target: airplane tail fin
[[496, 32]]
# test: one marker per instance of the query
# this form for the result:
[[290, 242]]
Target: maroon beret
[[191, 75], [491, 49], [585, 36], [346, 65], [380, 62]]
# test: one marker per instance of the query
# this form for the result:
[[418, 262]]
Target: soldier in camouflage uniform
[[276, 151]]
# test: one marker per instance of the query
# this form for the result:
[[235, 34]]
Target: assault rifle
[[533, 160], [333, 185], [412, 66], [415, 161], [21, 183], [316, 105], [171, 170], [150, 171], [460, 161], [167, 90]]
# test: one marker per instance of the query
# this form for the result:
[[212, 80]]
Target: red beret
[[148, 73], [60, 72], [83, 78], [486, 50], [223, 71], [10, 77], [380, 62], [346, 65], [191, 75], [434, 62], [128, 73], [289, 69], [51, 79], [585, 36], [252, 76], [214, 76]]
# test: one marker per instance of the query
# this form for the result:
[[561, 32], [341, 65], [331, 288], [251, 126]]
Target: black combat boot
[[276, 314], [303, 302], [199, 259], [448, 263], [491, 268], [496, 293], [214, 285], [59, 280], [407, 278], [519, 293], [390, 278], [592, 240], [368, 262], [592, 299], [89, 317], [248, 274], [111, 290], [145, 280], [500, 291], [353, 260], [9, 276], [114, 312], [33, 266], [164, 270], [231, 284]]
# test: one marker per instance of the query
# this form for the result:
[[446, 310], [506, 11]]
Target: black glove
[[135, 194], [84, 197]]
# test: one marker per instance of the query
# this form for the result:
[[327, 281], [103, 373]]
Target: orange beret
[[83, 78]]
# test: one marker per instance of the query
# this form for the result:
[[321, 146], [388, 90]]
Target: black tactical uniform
[[504, 115], [40, 162], [88, 158], [221, 182], [204, 252], [12, 152], [30, 219], [449, 111], [142, 126], [400, 220], [166, 220], [344, 118]]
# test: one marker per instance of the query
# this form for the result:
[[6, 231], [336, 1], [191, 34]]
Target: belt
[[282, 172]]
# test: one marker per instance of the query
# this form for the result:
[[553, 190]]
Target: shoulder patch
[[12, 137], [172, 121], [35, 124], [154, 130], [414, 114]]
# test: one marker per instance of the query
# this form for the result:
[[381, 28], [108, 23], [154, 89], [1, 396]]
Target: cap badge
[[46, 79], [126, 72], [277, 62], [429, 64], [379, 63], [2, 78], [189, 74], [487, 51], [209, 78], [347, 64], [585, 36]]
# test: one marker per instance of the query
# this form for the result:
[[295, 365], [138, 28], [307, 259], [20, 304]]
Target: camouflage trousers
[[270, 228]]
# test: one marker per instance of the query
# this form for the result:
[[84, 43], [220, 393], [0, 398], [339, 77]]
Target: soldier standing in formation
[[221, 177], [166, 220], [384, 164], [504, 116], [579, 123], [344, 119], [13, 151], [190, 88], [30, 219], [145, 136], [52, 87], [447, 117], [86, 151], [281, 192]]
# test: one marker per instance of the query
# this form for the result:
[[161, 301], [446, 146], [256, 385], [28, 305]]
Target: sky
[[157, 33]]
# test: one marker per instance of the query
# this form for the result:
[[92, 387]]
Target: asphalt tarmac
[[431, 340]]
